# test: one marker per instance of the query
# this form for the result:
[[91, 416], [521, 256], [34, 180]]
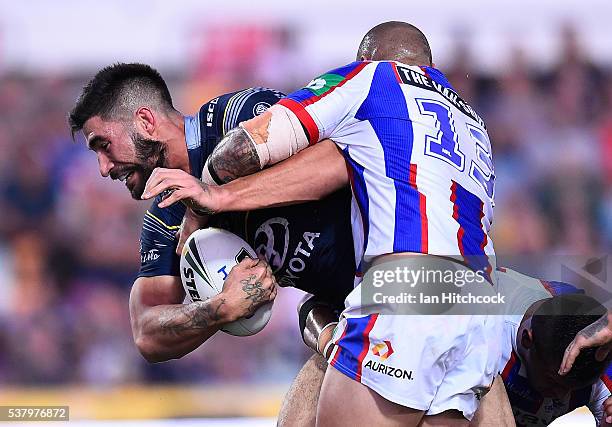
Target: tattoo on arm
[[596, 327], [190, 317], [200, 210], [254, 291], [235, 156]]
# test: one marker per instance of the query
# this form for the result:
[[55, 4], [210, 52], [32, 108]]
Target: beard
[[150, 154]]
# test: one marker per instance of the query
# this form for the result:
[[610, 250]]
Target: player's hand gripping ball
[[207, 259]]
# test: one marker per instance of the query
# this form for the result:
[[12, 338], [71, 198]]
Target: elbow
[[149, 351]]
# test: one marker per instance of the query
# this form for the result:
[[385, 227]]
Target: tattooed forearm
[[197, 209], [596, 327], [233, 157], [255, 292], [197, 316]]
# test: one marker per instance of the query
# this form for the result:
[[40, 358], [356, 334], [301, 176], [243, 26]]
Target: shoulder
[[230, 109]]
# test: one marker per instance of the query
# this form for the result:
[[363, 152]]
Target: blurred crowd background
[[69, 239]]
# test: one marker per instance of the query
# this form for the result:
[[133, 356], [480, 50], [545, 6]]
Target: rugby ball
[[207, 258]]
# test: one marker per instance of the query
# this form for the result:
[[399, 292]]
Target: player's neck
[[173, 137]]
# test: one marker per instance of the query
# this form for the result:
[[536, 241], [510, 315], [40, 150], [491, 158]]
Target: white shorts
[[424, 362]]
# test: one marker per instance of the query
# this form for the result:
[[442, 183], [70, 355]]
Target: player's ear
[[527, 338], [145, 121]]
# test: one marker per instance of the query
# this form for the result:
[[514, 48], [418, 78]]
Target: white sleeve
[[331, 99]]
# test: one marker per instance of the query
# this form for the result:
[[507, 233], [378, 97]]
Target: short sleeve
[[331, 99], [246, 104], [158, 241]]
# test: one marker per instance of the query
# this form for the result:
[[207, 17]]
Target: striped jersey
[[419, 158], [529, 407]]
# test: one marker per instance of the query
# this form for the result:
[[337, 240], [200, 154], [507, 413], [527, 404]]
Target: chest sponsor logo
[[272, 241]]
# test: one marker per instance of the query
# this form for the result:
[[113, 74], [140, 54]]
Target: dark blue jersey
[[309, 246]]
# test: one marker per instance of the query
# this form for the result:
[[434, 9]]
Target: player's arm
[[319, 111], [317, 320], [164, 328], [598, 334], [310, 175]]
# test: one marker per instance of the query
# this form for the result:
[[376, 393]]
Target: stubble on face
[[149, 154]]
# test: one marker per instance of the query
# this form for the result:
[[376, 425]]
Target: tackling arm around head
[[309, 175], [265, 140]]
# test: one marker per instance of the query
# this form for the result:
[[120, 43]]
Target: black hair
[[555, 324], [114, 88]]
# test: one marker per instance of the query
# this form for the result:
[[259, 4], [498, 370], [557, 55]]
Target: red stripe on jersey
[[422, 207], [366, 344], [424, 70], [548, 287], [339, 349], [399, 80], [607, 381], [509, 366], [304, 117]]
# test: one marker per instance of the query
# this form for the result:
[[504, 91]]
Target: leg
[[345, 402], [495, 409], [299, 408]]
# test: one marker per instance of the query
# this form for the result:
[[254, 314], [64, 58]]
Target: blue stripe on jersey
[[468, 212], [561, 288], [437, 76], [305, 94], [351, 345], [361, 195], [385, 108]]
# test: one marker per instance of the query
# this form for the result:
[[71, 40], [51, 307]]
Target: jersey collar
[[192, 131]]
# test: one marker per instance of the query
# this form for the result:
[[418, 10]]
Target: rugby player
[[540, 318], [540, 322], [422, 179], [128, 119]]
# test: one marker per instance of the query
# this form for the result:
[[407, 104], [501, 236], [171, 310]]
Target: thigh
[[346, 402], [495, 409], [299, 408]]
